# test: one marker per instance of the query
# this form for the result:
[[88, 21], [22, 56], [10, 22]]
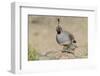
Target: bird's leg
[[65, 49]]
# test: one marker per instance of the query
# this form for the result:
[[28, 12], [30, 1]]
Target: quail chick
[[65, 39]]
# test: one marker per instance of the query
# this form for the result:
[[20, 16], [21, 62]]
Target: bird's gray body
[[64, 38]]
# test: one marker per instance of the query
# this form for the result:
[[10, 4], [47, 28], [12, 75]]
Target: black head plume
[[58, 28], [58, 21]]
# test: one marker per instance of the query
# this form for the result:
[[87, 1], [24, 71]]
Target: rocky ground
[[51, 55]]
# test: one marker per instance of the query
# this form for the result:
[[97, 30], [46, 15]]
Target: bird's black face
[[74, 41], [58, 29]]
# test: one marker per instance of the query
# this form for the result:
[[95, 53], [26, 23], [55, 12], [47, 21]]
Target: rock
[[59, 55], [79, 52]]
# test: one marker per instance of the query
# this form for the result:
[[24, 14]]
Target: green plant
[[32, 54]]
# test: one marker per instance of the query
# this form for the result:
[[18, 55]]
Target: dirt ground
[[42, 37]]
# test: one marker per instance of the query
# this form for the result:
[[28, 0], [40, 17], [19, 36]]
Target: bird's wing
[[70, 35]]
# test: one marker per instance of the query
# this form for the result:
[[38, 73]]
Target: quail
[[65, 39]]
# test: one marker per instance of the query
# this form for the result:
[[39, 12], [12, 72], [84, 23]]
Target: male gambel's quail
[[65, 39]]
